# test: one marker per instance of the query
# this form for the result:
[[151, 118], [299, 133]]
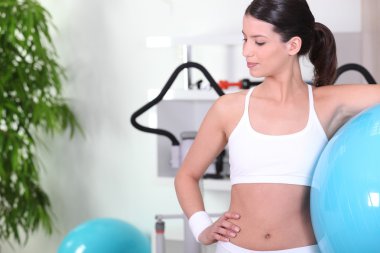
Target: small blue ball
[[345, 207], [105, 235]]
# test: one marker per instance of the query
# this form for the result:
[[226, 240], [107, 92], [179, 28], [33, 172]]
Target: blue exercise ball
[[345, 207], [105, 235]]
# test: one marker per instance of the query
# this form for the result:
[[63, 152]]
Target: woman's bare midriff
[[273, 216]]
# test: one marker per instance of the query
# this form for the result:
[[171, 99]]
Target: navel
[[267, 236]]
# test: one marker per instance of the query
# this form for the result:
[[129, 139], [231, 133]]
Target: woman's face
[[265, 53]]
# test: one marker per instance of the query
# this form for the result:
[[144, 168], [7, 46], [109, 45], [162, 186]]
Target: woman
[[275, 134]]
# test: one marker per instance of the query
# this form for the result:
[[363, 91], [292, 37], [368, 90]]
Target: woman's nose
[[247, 50]]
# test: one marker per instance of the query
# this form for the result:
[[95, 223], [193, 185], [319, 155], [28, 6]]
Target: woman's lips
[[251, 64]]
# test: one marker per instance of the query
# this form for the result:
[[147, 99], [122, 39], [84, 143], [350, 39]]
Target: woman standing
[[275, 134]]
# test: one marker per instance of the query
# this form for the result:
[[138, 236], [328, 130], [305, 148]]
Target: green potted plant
[[31, 102]]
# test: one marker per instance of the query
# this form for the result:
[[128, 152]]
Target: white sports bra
[[289, 159]]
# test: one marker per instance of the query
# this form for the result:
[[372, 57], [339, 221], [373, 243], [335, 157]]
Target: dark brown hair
[[292, 18]]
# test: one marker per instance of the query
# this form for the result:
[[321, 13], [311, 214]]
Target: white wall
[[371, 36], [339, 15], [111, 171]]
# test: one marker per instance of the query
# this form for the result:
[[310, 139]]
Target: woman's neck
[[284, 85]]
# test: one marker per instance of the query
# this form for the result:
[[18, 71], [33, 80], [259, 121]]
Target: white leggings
[[227, 247]]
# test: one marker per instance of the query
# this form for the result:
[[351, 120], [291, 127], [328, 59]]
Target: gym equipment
[[176, 157], [356, 67], [242, 84], [179, 150], [105, 235], [345, 193], [160, 232]]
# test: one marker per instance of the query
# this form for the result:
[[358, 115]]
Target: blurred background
[[115, 52]]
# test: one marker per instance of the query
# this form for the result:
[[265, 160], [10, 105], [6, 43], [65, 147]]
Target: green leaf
[[29, 69]]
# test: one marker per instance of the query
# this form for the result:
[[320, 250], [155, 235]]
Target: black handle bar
[[357, 67], [161, 95]]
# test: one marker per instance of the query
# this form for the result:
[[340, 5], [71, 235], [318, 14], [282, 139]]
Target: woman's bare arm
[[336, 104], [209, 142]]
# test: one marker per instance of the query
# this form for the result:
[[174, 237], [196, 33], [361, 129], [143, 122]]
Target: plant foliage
[[30, 100]]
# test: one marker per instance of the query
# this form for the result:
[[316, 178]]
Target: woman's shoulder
[[325, 90], [332, 92], [232, 98], [329, 97], [229, 109]]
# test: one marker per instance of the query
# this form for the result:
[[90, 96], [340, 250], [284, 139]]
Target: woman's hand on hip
[[221, 230]]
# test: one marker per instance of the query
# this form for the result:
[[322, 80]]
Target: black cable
[[354, 66], [161, 95]]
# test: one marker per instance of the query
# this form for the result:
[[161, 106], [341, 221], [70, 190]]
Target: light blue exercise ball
[[105, 235], [345, 191]]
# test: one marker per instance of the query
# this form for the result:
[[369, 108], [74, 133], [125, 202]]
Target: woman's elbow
[[183, 179]]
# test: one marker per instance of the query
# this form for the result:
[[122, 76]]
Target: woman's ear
[[294, 45]]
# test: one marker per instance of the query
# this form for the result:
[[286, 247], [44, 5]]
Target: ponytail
[[323, 55]]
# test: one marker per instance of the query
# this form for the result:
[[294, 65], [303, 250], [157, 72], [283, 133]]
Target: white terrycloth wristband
[[198, 222]]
